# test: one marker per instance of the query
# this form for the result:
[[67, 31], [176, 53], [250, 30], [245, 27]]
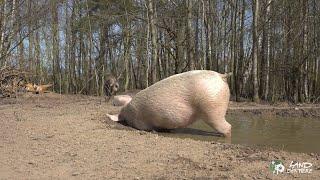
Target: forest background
[[271, 46]]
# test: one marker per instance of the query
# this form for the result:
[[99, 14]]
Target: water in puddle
[[289, 134]]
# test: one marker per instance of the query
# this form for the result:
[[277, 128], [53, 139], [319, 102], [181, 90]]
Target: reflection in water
[[290, 134]]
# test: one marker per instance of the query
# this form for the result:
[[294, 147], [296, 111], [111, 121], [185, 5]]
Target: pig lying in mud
[[178, 101], [121, 100]]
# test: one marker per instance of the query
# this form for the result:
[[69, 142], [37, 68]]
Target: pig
[[178, 101], [121, 100], [111, 87]]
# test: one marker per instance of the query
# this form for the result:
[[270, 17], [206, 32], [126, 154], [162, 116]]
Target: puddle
[[289, 134]]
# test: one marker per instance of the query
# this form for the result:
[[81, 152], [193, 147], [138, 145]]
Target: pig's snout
[[113, 117], [115, 88]]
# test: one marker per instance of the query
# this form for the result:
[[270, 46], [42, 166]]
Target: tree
[[255, 44], [154, 46]]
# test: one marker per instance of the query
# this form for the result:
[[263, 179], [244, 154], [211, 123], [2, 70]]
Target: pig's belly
[[176, 117]]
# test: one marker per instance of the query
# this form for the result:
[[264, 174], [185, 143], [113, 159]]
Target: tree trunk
[[147, 60], [126, 57], [67, 52], [305, 50], [55, 45], [189, 35], [154, 45], [3, 29], [240, 62], [268, 53], [204, 36], [255, 51]]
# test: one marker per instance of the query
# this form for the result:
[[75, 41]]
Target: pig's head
[[115, 87], [127, 113]]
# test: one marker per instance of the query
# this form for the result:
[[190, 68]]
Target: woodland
[[272, 47]]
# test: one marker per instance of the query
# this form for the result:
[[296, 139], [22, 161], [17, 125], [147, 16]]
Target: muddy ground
[[54, 136]]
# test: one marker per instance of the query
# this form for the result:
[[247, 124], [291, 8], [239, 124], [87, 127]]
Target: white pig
[[121, 100], [178, 101]]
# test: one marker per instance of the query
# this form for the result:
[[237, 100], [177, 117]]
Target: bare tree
[[255, 52]]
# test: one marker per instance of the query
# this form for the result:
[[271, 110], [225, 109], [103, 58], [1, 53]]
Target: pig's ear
[[226, 75], [119, 76], [113, 117]]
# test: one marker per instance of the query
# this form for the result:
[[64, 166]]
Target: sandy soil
[[55, 136]]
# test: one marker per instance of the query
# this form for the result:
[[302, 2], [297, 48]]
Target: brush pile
[[11, 81]]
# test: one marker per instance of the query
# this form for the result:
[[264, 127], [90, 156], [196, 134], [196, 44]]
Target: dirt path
[[68, 137]]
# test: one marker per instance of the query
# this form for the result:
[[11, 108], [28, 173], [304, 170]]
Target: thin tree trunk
[[233, 46], [126, 58], [147, 64], [72, 64], [240, 62], [67, 51], [154, 46], [37, 57], [305, 50], [255, 51], [127, 45], [199, 64], [267, 64], [204, 36], [3, 27], [55, 46], [225, 29], [21, 45], [189, 34]]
